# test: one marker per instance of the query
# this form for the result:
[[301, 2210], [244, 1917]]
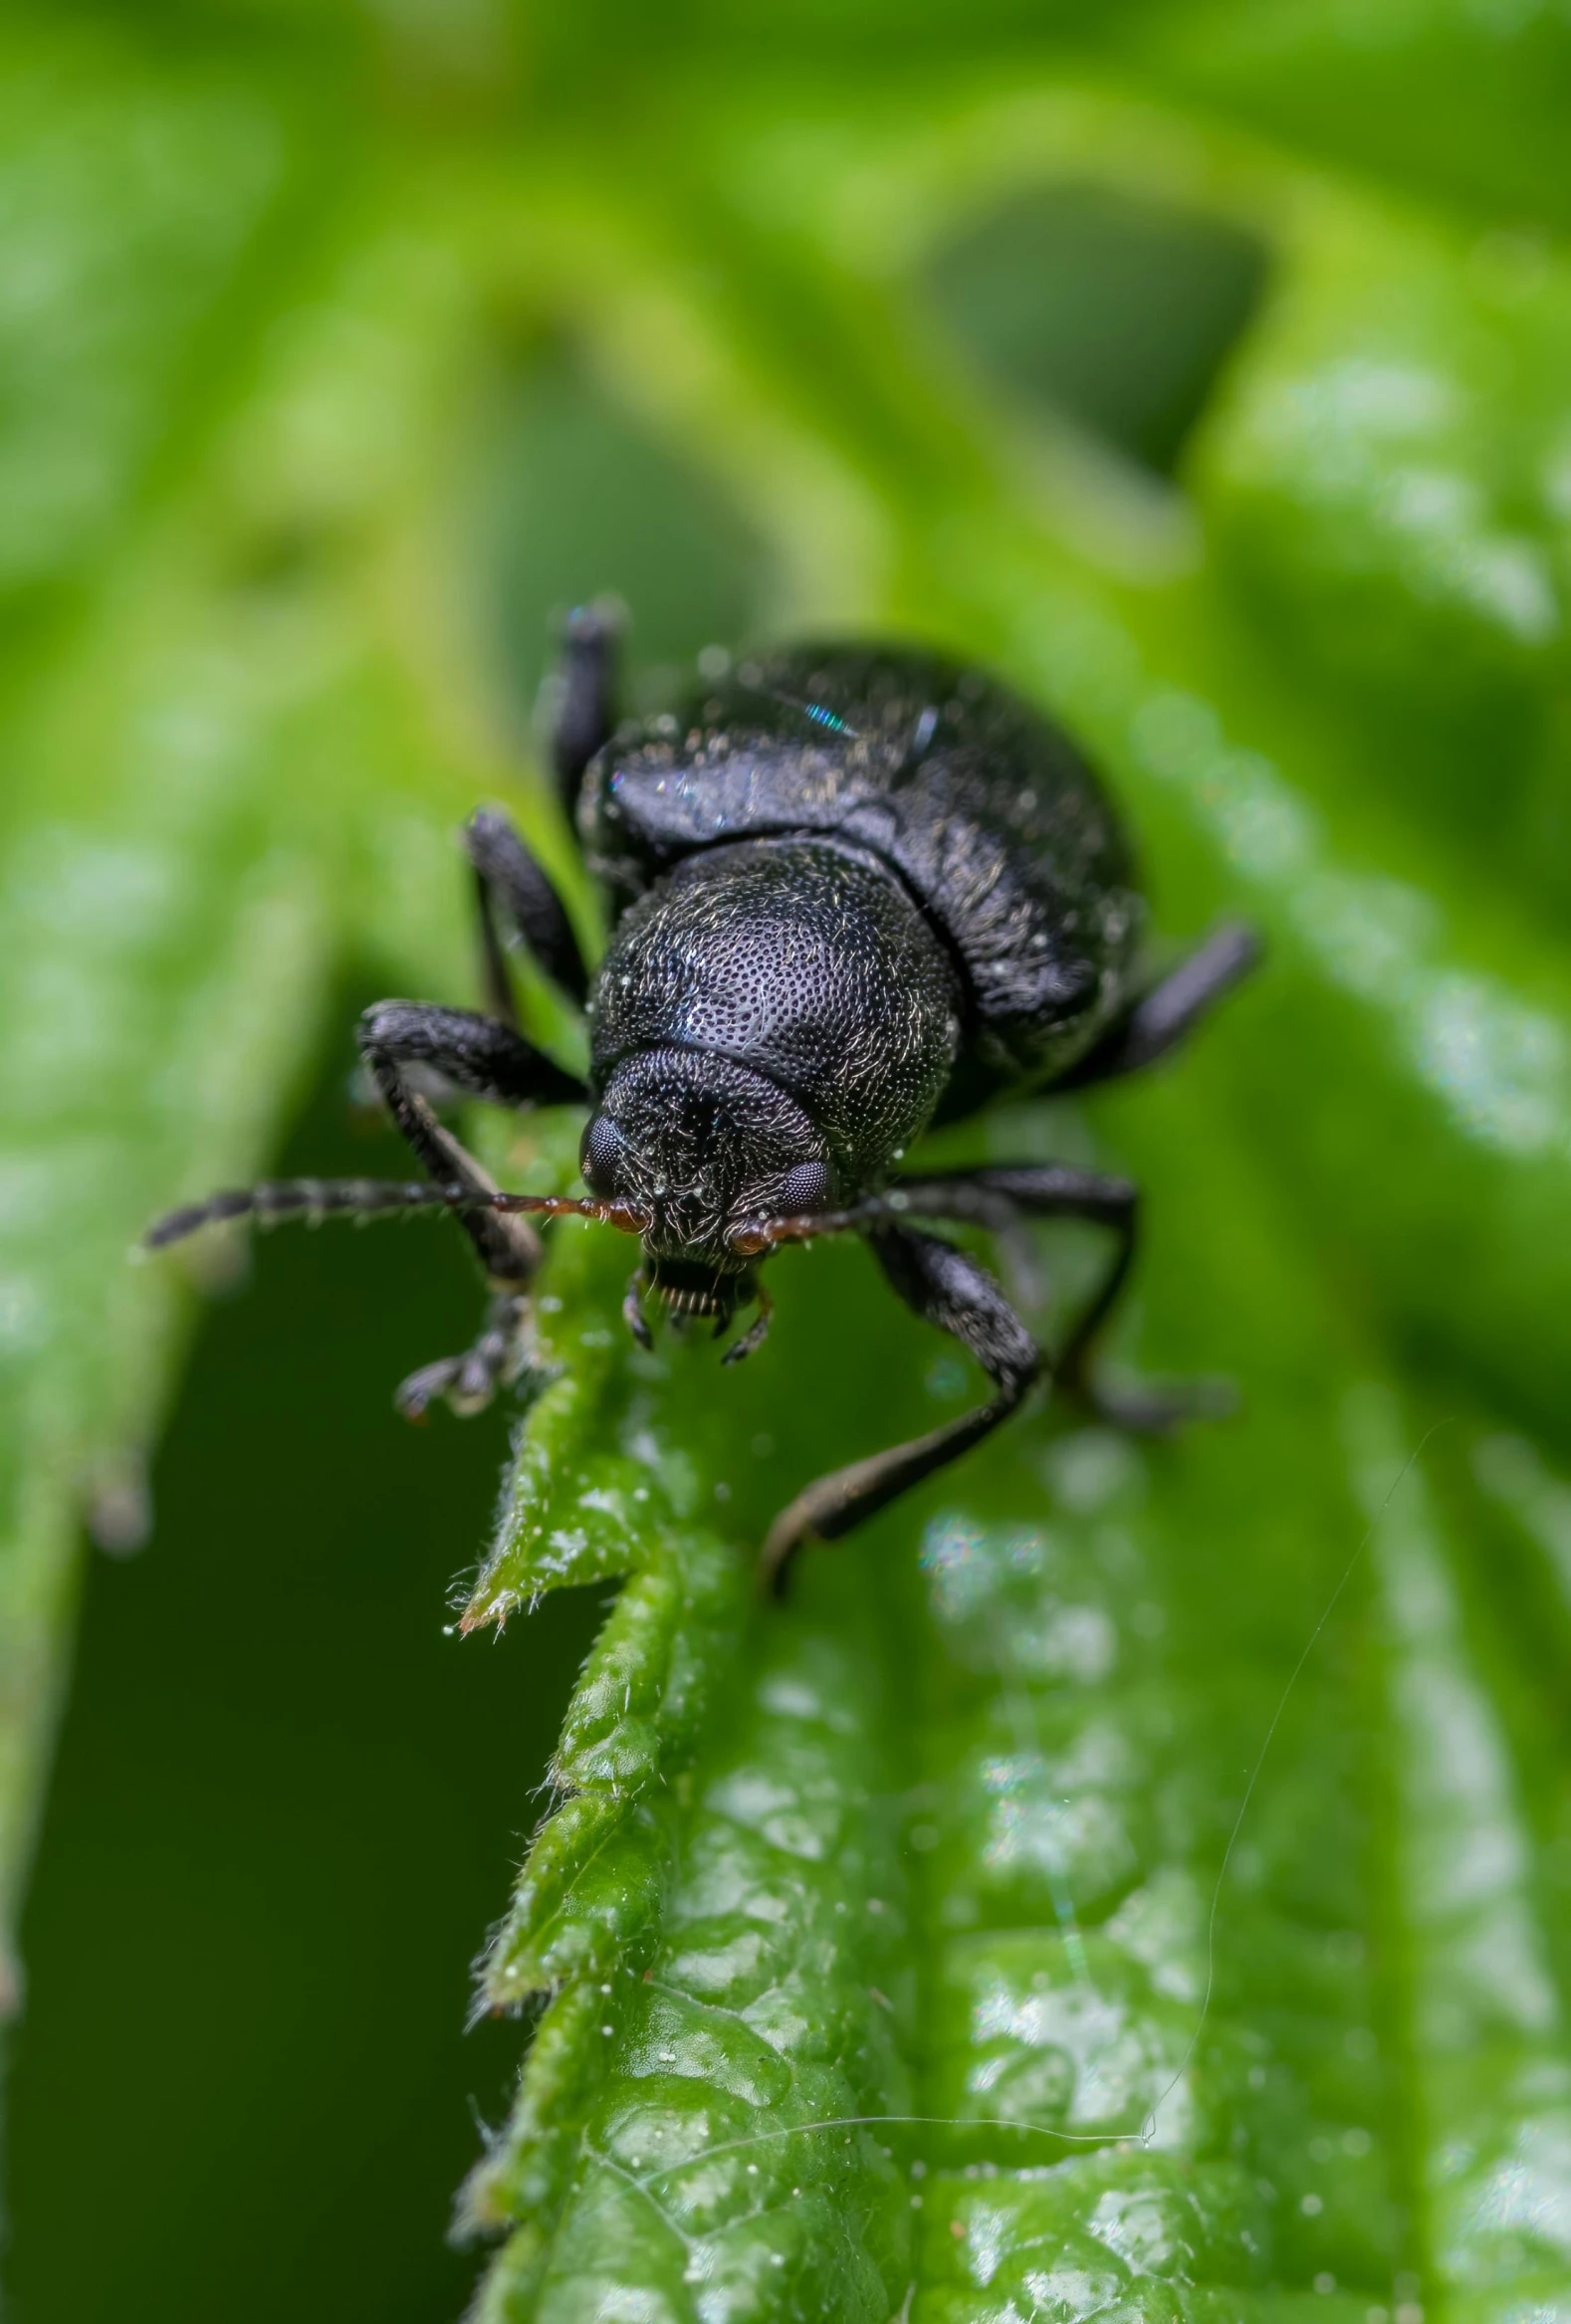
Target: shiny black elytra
[[855, 890]]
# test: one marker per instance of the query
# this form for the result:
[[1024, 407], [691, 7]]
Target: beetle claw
[[633, 1313], [755, 1334]]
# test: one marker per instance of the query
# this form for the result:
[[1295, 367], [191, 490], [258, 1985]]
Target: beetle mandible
[[856, 891]]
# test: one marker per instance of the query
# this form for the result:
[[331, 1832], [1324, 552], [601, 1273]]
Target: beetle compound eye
[[809, 1187], [602, 1158]]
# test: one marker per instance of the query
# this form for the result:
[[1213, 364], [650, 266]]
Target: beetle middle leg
[[487, 1060], [1162, 1018], [512, 885], [949, 1288], [513, 890]]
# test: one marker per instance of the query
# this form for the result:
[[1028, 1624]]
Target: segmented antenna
[[363, 1198], [308, 1198]]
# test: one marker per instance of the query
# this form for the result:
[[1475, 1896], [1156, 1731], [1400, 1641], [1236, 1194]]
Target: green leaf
[[1129, 1878]]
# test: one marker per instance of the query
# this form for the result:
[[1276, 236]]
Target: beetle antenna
[[361, 1198]]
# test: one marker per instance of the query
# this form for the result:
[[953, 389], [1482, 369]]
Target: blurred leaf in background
[[1206, 369]]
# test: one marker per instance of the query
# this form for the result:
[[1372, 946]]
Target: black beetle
[[855, 890]]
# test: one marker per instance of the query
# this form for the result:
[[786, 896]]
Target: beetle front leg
[[758, 1331], [469, 1381], [474, 1054], [950, 1289], [488, 1060], [633, 1311], [997, 1198]]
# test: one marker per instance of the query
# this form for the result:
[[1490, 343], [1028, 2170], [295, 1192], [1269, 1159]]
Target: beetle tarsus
[[1145, 1408], [469, 1381]]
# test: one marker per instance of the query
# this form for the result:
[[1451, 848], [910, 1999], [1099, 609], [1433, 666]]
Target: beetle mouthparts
[[689, 1287]]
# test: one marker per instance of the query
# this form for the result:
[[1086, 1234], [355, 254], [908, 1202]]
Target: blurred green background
[[1205, 366]]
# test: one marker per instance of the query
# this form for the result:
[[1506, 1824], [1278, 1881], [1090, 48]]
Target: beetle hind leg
[[1164, 1016], [584, 705]]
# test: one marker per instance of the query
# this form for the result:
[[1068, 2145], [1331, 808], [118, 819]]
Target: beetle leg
[[512, 886], [475, 1053], [757, 1332], [996, 1197], [1160, 1019], [584, 698], [489, 1061], [470, 1380], [633, 1311], [948, 1288]]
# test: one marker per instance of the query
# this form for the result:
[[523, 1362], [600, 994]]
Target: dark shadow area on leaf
[[285, 1809], [1112, 311], [574, 499]]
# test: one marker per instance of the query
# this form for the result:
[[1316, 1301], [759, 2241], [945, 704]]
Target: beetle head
[[700, 1147]]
